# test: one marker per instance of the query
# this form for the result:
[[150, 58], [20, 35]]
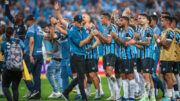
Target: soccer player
[[176, 68], [109, 58], [139, 78], [157, 32], [167, 55], [92, 58], [127, 54], [147, 54]]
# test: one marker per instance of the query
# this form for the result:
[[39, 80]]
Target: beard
[[121, 26]]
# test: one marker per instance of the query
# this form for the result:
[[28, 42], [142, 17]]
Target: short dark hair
[[167, 18], [107, 15], [20, 14], [125, 18], [147, 17], [30, 18], [154, 17], [174, 19], [167, 13], [9, 33]]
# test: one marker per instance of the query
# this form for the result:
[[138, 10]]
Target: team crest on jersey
[[164, 69], [126, 70]]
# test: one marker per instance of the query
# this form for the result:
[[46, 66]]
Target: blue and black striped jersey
[[147, 51], [94, 53], [112, 47], [128, 52]]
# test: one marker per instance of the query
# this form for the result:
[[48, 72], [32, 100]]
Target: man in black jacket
[[17, 21]]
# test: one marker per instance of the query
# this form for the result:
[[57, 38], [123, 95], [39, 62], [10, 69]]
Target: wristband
[[158, 40]]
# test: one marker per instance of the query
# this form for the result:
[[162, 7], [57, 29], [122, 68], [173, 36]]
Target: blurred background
[[42, 9]]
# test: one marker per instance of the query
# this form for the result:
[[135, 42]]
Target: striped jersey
[[110, 48], [128, 52], [138, 31], [177, 33], [147, 51], [92, 54]]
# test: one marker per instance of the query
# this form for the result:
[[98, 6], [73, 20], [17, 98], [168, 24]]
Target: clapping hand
[[114, 35]]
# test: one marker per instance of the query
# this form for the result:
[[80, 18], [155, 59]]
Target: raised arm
[[62, 30], [61, 19], [7, 12]]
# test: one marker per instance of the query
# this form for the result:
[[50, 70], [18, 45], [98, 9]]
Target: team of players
[[129, 48]]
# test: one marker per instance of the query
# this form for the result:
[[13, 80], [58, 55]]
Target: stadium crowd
[[131, 35]]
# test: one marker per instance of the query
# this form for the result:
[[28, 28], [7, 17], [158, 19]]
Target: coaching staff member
[[78, 39]]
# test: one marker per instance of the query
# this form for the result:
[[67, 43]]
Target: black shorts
[[109, 60], [118, 66], [167, 66], [148, 65], [1, 66], [77, 63], [128, 66], [139, 65], [176, 68], [91, 65]]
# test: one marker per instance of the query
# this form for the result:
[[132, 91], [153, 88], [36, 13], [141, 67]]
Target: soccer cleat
[[131, 99], [55, 95], [27, 95], [177, 96], [165, 99], [110, 98], [35, 95], [88, 94], [153, 99], [144, 99], [117, 97], [139, 95], [78, 97], [173, 99], [101, 93], [97, 97], [122, 99]]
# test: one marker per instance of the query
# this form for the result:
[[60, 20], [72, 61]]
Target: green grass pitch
[[46, 90]]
